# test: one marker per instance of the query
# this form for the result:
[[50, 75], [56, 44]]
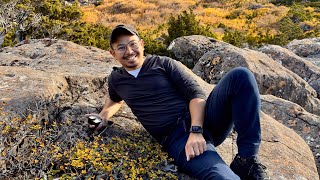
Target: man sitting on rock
[[175, 111]]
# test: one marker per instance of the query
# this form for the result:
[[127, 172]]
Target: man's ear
[[142, 43], [112, 52]]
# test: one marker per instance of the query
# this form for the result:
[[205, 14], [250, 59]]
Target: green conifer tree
[[184, 25]]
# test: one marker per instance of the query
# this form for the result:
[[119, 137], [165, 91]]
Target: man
[[174, 110]]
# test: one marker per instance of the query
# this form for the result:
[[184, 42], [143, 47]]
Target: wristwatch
[[196, 129]]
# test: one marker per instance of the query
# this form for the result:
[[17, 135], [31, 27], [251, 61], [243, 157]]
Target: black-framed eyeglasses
[[122, 48]]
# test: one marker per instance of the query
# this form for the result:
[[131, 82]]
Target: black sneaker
[[249, 168]]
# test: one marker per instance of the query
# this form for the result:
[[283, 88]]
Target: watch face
[[196, 129]]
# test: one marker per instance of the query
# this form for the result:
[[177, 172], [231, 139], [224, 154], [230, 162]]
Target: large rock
[[52, 55], [272, 78], [305, 69], [315, 59], [25, 88], [189, 49], [305, 47], [308, 48], [307, 125], [277, 152], [81, 93], [69, 72]]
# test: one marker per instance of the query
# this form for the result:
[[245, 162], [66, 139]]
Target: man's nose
[[128, 49]]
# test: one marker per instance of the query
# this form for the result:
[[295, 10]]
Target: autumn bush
[[154, 45], [55, 9], [9, 39], [235, 37], [297, 14], [290, 30]]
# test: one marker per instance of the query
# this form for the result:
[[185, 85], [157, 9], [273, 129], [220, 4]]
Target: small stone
[[22, 78], [10, 75]]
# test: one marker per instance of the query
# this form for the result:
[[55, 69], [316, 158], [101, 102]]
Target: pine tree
[[184, 25]]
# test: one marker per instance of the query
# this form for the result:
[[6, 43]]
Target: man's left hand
[[195, 146]]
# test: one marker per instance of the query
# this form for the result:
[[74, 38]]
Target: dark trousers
[[234, 102]]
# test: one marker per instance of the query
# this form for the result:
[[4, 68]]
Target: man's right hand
[[103, 124]]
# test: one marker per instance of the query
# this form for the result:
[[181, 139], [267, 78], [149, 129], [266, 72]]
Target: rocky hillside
[[47, 86], [238, 22]]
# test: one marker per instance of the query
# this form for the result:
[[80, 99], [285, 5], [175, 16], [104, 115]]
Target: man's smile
[[131, 58]]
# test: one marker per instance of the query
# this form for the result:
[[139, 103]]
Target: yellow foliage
[[91, 16], [6, 130], [36, 127], [238, 24], [217, 12], [29, 117], [309, 9], [77, 163], [58, 156], [263, 11]]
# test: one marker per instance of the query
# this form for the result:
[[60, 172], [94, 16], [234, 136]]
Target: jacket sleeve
[[183, 81]]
